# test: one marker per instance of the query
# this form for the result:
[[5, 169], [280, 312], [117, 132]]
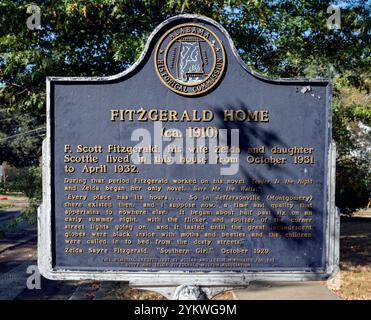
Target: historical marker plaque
[[188, 168]]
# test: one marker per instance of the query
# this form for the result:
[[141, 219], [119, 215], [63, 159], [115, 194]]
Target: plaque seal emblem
[[190, 59]]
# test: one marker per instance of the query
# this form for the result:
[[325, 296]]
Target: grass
[[355, 283], [355, 257], [20, 203], [5, 204], [14, 196]]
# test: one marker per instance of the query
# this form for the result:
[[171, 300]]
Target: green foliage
[[353, 181], [351, 131], [280, 38], [26, 180], [29, 213], [20, 138], [29, 182]]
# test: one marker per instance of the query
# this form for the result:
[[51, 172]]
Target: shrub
[[352, 184], [29, 181]]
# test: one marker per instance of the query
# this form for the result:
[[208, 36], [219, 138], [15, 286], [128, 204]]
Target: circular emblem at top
[[190, 59]]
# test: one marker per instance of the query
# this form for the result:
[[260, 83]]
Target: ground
[[18, 251], [355, 257]]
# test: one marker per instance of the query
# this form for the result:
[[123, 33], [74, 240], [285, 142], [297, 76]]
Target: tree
[[280, 38], [20, 138]]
